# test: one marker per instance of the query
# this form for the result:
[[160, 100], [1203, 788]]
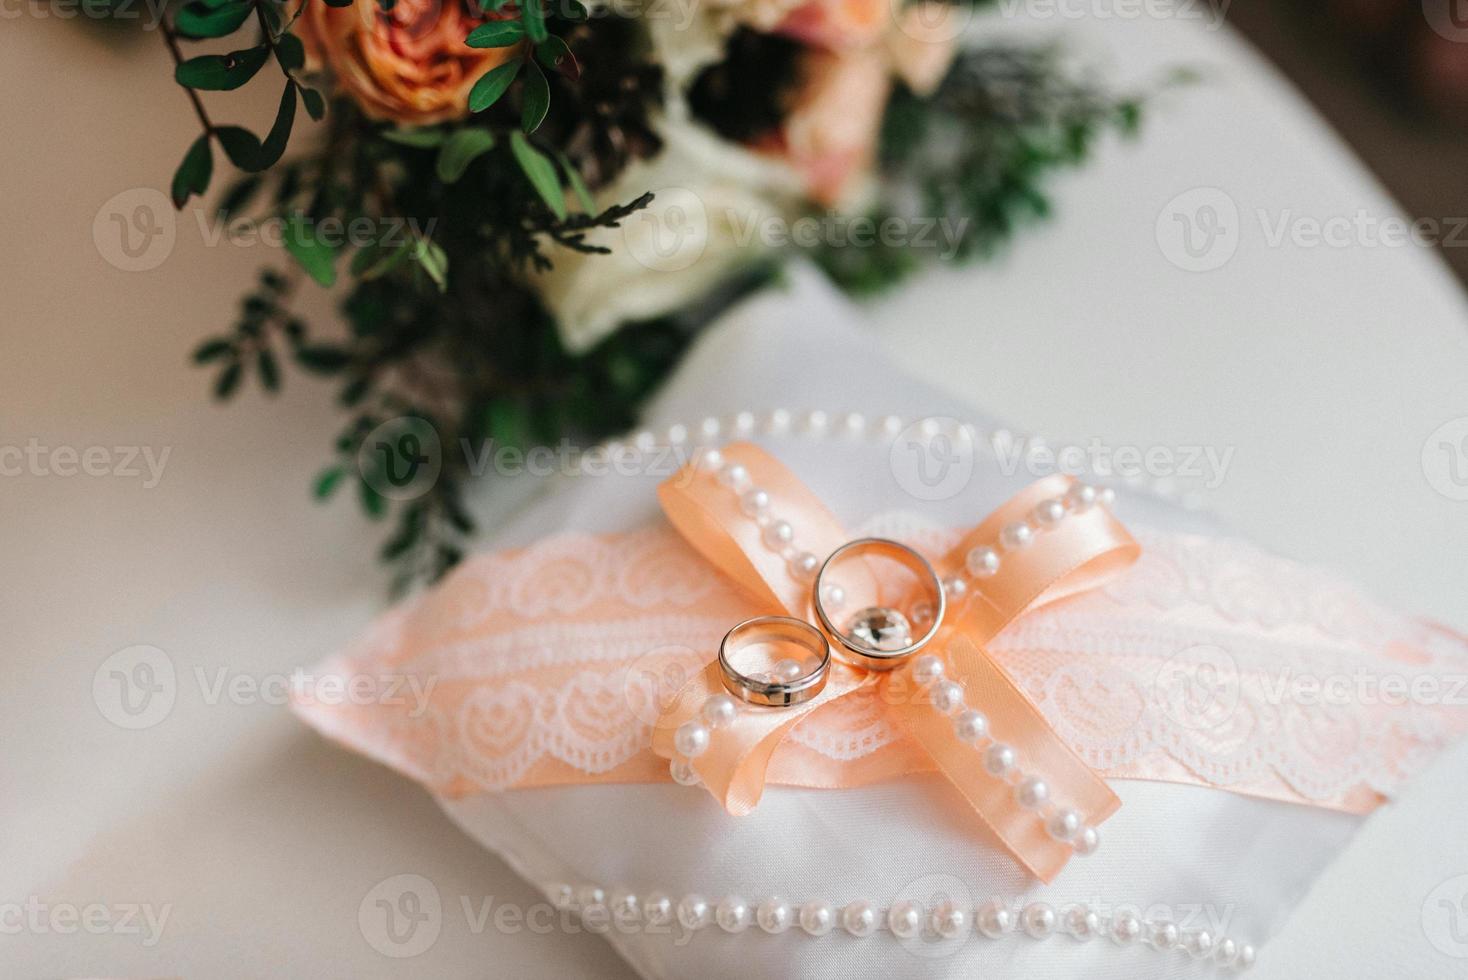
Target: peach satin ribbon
[[1083, 552]]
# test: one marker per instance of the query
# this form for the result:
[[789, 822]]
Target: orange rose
[[409, 65]]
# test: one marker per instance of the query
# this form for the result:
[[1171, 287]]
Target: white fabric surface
[[1327, 369], [1245, 861]]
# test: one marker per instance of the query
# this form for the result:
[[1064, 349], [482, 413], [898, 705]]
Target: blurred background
[[1392, 77]]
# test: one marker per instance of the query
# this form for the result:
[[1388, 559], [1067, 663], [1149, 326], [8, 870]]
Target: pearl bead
[[982, 562], [994, 918], [1080, 496], [1049, 513], [562, 896], [816, 422], [922, 614], [833, 596], [719, 710], [774, 915], [1081, 922], [817, 918], [779, 421], [999, 759], [970, 726], [735, 476], [645, 441], [891, 425], [788, 670], [1126, 928], [1106, 496], [694, 912], [625, 905], [1038, 920], [590, 895], [711, 460], [691, 739], [1225, 952], [954, 587], [926, 669], [744, 423], [1065, 824], [1086, 842], [683, 772], [1032, 792], [947, 696], [1198, 944], [950, 920], [657, 909], [754, 502], [732, 914], [804, 566], [859, 919], [1016, 536], [905, 920], [854, 424], [1247, 955], [1164, 936], [778, 534], [677, 434]]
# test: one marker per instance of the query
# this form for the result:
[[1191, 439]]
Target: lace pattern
[[1210, 662]]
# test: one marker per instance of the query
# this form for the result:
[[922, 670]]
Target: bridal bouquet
[[529, 206]]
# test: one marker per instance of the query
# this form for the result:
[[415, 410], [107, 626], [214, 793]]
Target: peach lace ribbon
[[1081, 553]]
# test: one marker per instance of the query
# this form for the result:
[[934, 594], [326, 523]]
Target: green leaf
[[462, 149], [290, 52], [496, 34], [423, 139], [221, 72], [534, 18], [555, 55], [578, 186], [201, 20], [487, 90], [315, 104], [280, 134], [431, 257], [228, 381], [269, 370], [317, 257], [378, 260], [327, 482], [192, 176], [372, 502], [212, 350], [323, 359], [537, 99], [541, 173], [240, 145], [575, 10]]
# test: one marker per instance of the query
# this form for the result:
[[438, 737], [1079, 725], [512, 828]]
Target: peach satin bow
[[1082, 552]]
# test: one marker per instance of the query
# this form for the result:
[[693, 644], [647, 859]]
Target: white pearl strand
[[856, 426], [1064, 824], [995, 919], [693, 737]]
